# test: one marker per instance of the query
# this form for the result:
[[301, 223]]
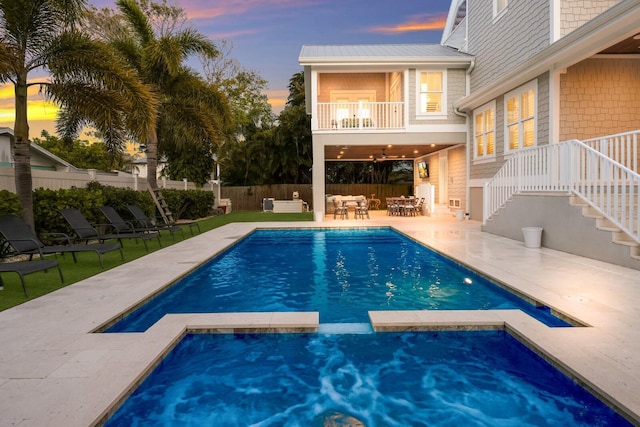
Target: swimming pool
[[341, 273], [473, 378]]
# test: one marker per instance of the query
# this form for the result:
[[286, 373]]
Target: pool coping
[[54, 371]]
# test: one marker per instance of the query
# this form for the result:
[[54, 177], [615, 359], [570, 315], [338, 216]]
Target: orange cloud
[[430, 23], [39, 110], [200, 9], [277, 99]]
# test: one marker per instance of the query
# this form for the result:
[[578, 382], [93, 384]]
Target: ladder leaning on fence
[[161, 204]]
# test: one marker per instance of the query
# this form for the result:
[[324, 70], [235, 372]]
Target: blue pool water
[[341, 273], [479, 378]]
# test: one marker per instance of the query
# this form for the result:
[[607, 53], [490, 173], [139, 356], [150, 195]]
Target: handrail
[[574, 167], [621, 147]]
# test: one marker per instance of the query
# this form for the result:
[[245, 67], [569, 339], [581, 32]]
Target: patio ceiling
[[368, 152], [630, 45]]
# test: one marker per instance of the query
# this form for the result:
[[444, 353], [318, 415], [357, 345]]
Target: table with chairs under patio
[[404, 206], [342, 205]]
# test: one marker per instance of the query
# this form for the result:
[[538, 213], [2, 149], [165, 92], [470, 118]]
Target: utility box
[[267, 204]]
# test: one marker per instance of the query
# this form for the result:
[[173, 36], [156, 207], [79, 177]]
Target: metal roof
[[380, 53]]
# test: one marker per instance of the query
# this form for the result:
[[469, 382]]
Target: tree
[[152, 38], [81, 153], [84, 77], [294, 134], [245, 156]]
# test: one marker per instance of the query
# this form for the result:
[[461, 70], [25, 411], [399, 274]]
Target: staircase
[[599, 175], [618, 236]]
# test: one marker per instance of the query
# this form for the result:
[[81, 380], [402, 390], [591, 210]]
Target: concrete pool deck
[[54, 371]]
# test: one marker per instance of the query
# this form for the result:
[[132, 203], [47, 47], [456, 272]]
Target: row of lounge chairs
[[18, 239]]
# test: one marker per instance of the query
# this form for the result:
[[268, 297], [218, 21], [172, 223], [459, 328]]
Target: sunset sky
[[267, 36]]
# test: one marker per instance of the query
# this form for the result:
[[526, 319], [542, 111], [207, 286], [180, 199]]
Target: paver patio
[[54, 371]]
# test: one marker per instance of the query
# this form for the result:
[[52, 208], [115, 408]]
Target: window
[[484, 131], [499, 6], [431, 93], [520, 117]]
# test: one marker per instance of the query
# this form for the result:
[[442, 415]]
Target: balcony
[[360, 116]]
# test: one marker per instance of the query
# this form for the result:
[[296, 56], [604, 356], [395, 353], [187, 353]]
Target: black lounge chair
[[85, 231], [120, 226], [22, 268], [149, 224], [22, 241]]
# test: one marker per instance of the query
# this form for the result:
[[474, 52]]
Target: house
[[511, 113], [41, 159], [383, 102]]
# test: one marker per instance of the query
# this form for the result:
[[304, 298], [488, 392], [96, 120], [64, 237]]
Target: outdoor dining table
[[346, 203], [398, 205]]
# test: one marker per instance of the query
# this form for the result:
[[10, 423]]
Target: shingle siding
[[501, 45], [574, 13], [599, 97], [351, 81], [457, 184], [488, 169], [456, 89]]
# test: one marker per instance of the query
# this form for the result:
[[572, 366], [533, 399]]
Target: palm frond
[[137, 19]]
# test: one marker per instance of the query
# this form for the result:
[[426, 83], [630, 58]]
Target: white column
[[318, 178]]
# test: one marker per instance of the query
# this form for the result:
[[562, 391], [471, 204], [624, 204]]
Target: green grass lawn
[[88, 264]]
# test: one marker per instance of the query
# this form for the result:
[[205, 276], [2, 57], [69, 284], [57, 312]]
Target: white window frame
[[443, 105], [484, 156], [499, 8], [517, 93]]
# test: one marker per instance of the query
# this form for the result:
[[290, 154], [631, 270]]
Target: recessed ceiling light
[[389, 146], [341, 152], [433, 145], [415, 151]]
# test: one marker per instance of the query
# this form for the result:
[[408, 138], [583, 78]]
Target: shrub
[[9, 203], [189, 204]]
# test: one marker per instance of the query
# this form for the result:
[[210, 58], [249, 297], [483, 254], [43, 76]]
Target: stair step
[[606, 225], [577, 201], [589, 212]]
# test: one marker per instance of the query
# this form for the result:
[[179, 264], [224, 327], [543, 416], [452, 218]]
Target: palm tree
[[84, 78], [159, 60]]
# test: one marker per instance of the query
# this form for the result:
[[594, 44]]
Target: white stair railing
[[606, 185], [622, 147]]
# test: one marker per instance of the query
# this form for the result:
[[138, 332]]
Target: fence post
[[135, 181], [185, 183]]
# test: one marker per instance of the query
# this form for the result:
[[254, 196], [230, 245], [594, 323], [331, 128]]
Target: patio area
[[54, 371]]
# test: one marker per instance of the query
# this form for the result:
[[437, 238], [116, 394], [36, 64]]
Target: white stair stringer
[[617, 236]]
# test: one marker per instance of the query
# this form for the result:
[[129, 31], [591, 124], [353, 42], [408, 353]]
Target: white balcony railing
[[574, 167], [360, 115]]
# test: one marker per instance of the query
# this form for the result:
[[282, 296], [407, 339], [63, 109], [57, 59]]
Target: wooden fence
[[242, 198], [250, 198]]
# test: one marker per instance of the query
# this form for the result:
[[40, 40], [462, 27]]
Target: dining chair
[[340, 207]]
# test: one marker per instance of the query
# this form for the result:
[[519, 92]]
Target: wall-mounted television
[[423, 170]]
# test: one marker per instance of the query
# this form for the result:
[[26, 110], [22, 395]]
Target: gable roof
[[380, 54], [39, 151]]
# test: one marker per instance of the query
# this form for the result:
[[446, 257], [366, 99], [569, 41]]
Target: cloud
[[38, 108], [200, 9], [277, 99], [421, 23]]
